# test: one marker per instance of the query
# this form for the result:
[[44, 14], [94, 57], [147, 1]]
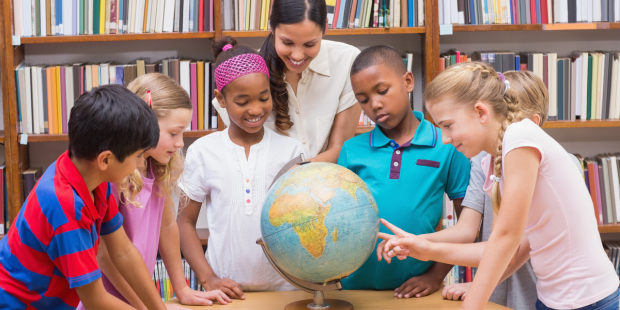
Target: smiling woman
[[309, 79]]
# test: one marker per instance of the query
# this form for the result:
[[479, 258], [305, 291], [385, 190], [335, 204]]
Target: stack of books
[[39, 18], [601, 175], [162, 280], [582, 86], [518, 12], [46, 93]]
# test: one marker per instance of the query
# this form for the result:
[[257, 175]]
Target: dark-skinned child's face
[[383, 94], [247, 101]]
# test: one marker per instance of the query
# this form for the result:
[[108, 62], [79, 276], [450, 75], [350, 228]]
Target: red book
[[523, 67], [335, 22], [597, 189], [533, 10], [442, 64], [544, 17], [63, 100], [194, 96], [113, 17], [515, 11], [201, 15], [592, 181], [458, 56], [81, 80], [467, 274]]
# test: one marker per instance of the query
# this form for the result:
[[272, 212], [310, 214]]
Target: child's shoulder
[[525, 129]]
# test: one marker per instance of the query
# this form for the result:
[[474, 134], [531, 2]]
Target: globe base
[[330, 304]]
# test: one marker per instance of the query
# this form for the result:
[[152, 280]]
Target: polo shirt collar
[[425, 134], [320, 64], [70, 173]]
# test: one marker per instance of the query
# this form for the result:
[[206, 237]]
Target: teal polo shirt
[[408, 182]]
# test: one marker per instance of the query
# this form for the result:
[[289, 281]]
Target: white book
[[552, 81], [149, 12], [253, 15], [454, 12], [105, 74], [441, 12], [577, 78], [584, 86], [615, 185], [613, 90], [177, 15], [447, 11], [616, 10], [43, 9], [596, 11], [18, 22], [617, 102], [420, 13], [155, 13], [21, 76], [27, 18], [139, 16], [132, 16], [184, 75], [28, 114], [90, 17], [67, 19], [159, 25], [169, 15], [52, 17], [88, 72], [69, 90], [40, 74], [186, 14], [590, 13], [35, 100]]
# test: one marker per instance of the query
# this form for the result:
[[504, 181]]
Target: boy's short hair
[[532, 93], [377, 55], [112, 118]]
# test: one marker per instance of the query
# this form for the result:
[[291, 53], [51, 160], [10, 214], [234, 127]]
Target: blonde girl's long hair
[[532, 93], [166, 96], [467, 83]]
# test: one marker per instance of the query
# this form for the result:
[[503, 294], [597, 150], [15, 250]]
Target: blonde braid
[[513, 114]]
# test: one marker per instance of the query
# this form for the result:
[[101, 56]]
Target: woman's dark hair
[[221, 56], [287, 12]]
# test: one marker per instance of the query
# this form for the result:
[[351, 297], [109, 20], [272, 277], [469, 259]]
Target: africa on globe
[[319, 222]]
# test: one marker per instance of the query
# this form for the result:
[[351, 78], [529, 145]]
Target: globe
[[319, 222]]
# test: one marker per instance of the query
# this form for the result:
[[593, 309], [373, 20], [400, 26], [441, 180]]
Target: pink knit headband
[[237, 67]]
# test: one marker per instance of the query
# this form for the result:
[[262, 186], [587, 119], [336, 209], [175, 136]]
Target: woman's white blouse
[[234, 188], [323, 91]]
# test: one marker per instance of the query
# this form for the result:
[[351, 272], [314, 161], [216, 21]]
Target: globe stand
[[318, 302]]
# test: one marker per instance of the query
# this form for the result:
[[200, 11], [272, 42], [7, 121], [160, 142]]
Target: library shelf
[[65, 137], [333, 32], [582, 124], [535, 27], [609, 228], [203, 234], [117, 37]]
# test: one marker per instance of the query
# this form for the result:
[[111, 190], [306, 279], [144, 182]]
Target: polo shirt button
[[395, 164], [397, 151], [392, 143]]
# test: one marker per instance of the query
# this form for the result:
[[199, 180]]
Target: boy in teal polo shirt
[[406, 167]]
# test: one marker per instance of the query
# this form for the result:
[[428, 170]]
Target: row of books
[[458, 274], [581, 86], [39, 18], [612, 248], [601, 174], [46, 93], [163, 284], [516, 12]]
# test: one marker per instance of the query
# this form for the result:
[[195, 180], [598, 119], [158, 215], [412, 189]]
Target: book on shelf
[[601, 175], [31, 176], [458, 274], [46, 93], [520, 12], [39, 18], [247, 15], [161, 279], [582, 86]]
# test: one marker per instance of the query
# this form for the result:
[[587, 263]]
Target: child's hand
[[187, 296], [456, 291], [418, 286], [401, 245], [228, 286]]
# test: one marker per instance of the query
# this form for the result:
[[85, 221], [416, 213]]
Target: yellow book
[[248, 8], [58, 119], [53, 127], [200, 71], [265, 15], [102, 17]]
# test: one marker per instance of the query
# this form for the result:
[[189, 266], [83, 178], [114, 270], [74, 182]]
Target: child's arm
[[94, 297], [130, 265], [465, 230], [192, 249], [520, 173], [170, 251]]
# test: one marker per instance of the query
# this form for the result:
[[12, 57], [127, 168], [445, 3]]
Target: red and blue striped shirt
[[52, 246]]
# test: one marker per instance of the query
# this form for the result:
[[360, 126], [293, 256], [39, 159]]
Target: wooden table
[[361, 300]]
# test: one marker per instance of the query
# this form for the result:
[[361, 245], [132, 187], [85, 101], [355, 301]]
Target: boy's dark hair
[[376, 55], [112, 118]]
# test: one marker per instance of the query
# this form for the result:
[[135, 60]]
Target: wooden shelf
[[609, 228], [363, 129], [65, 137], [334, 32], [535, 27], [582, 124], [117, 37], [203, 234]]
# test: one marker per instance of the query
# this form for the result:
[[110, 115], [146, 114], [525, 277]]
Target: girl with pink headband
[[231, 170]]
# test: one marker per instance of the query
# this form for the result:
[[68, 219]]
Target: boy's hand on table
[[401, 245], [228, 286], [419, 286], [456, 291], [187, 296]]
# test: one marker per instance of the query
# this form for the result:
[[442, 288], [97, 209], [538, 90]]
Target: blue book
[[119, 75], [517, 63], [343, 5], [191, 16], [99, 74], [410, 8], [59, 28], [585, 174], [486, 10], [512, 19], [538, 12], [472, 12]]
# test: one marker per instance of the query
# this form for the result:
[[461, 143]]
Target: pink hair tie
[[227, 47], [237, 67]]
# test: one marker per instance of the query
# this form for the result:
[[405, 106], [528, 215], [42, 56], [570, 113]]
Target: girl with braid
[[543, 211]]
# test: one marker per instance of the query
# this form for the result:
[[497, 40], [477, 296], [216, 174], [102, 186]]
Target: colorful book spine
[[194, 96]]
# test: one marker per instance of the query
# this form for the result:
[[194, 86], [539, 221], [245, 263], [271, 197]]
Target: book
[[31, 176]]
